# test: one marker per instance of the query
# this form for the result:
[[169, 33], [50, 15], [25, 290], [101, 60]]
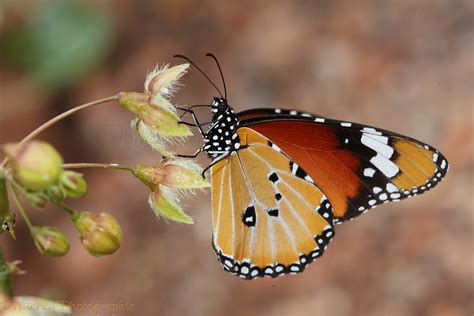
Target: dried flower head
[[156, 120], [169, 181]]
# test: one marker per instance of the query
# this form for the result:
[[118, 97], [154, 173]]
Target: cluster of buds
[[156, 120], [158, 124], [37, 167], [35, 170]]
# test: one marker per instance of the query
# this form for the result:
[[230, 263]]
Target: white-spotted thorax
[[221, 138]]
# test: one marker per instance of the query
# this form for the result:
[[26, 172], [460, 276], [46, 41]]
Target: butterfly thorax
[[221, 137]]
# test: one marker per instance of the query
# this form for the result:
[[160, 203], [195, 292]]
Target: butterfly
[[281, 179]]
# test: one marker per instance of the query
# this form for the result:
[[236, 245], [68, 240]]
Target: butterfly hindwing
[[356, 166], [268, 216]]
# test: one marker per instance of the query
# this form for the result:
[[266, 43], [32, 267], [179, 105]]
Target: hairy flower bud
[[50, 240], [73, 184], [163, 80], [100, 233], [156, 119], [167, 181], [165, 204], [175, 173], [37, 165]]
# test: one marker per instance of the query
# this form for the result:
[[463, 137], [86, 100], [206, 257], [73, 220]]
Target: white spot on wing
[[346, 124], [371, 130], [443, 164], [369, 172], [388, 168], [379, 144], [391, 188]]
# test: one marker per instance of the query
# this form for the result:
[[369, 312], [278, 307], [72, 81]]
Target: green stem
[[21, 209], [69, 210], [61, 116], [5, 283], [97, 165], [4, 205], [58, 118]]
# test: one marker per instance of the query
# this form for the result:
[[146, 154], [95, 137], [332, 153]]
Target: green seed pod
[[73, 184], [37, 165], [100, 233], [50, 241]]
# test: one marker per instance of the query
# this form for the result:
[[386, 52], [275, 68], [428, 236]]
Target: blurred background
[[406, 66]]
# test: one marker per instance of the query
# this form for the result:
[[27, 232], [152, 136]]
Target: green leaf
[[5, 283], [62, 42]]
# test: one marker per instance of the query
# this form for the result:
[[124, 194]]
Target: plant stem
[[4, 205], [61, 116], [58, 118], [97, 165], [69, 210], [21, 209], [5, 283]]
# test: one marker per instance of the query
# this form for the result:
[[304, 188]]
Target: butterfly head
[[219, 105]]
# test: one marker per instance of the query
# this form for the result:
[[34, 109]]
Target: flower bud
[[176, 173], [163, 80], [100, 233], [159, 116], [55, 193], [164, 122], [152, 138], [37, 165], [37, 199], [73, 184], [164, 204], [50, 240], [156, 119]]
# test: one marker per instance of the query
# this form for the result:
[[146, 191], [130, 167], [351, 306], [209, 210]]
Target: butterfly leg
[[216, 160], [194, 118], [191, 156]]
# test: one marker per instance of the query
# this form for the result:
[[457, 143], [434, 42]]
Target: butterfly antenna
[[220, 70], [202, 72]]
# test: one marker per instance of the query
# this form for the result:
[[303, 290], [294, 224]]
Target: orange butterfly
[[281, 179]]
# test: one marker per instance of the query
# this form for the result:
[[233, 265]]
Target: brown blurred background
[[406, 66]]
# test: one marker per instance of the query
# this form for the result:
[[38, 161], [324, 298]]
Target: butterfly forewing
[[357, 167], [269, 218]]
